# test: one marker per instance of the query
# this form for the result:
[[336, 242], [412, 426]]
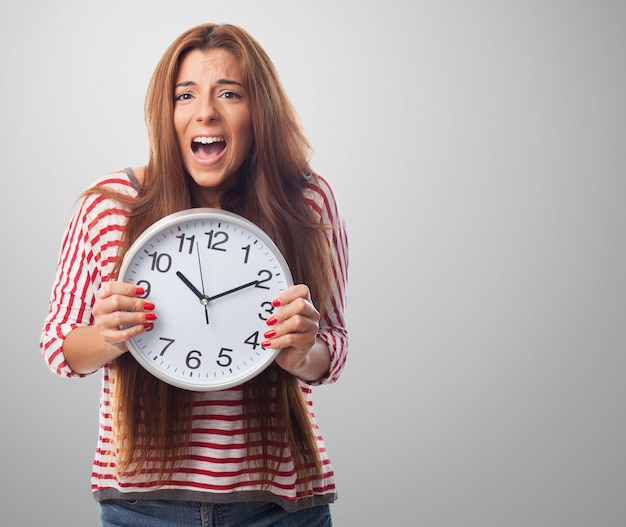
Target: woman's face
[[212, 121]]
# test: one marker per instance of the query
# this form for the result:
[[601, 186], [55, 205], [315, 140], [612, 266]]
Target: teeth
[[208, 140]]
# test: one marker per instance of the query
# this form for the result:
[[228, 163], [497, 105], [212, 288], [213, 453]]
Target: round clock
[[212, 276]]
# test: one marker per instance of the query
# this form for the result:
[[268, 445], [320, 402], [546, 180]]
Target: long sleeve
[[87, 255], [333, 325]]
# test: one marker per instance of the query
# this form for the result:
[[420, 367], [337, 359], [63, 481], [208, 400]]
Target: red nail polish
[[276, 302], [269, 334], [150, 316], [148, 306], [147, 325], [266, 344], [140, 291], [271, 321]]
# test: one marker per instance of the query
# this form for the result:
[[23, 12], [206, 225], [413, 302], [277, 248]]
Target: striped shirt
[[214, 469]]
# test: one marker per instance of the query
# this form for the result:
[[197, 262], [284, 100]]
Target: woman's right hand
[[118, 305]]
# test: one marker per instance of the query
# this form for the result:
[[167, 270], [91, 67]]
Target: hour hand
[[204, 300]]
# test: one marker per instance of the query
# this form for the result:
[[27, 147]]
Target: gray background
[[478, 150]]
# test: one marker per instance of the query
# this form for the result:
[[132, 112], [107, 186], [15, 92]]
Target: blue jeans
[[166, 513]]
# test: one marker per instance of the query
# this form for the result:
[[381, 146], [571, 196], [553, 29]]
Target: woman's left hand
[[293, 329]]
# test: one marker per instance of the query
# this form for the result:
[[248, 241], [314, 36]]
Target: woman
[[224, 135]]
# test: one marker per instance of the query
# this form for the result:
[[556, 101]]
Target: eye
[[183, 96], [230, 95]]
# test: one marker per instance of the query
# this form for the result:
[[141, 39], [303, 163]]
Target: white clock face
[[212, 276]]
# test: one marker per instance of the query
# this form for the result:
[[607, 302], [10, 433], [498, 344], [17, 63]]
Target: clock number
[[253, 340], [267, 308], [193, 359], [263, 272], [182, 238], [169, 343], [228, 360], [146, 287], [216, 238], [246, 249], [161, 262]]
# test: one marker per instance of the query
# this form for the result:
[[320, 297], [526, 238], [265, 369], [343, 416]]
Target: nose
[[207, 111]]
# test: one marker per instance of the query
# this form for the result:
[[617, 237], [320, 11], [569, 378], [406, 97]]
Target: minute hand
[[239, 288]]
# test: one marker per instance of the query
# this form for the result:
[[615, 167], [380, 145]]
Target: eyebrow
[[225, 82]]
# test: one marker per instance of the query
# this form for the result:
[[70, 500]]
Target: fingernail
[[276, 302], [148, 306], [150, 316], [271, 321], [269, 334], [140, 291], [266, 344], [147, 325]]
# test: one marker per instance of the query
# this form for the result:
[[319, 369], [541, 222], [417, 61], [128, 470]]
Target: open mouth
[[206, 148]]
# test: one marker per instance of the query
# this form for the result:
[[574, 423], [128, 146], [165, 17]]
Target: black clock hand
[[239, 288], [203, 298]]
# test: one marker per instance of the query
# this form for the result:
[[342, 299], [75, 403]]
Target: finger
[[120, 319], [298, 307], [114, 287], [302, 342], [118, 302], [292, 293], [117, 339], [123, 333], [294, 331]]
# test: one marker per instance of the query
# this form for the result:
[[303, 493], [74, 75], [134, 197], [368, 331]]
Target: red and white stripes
[[215, 462]]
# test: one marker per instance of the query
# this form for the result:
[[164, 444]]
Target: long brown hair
[[153, 420]]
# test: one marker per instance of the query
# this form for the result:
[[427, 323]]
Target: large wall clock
[[212, 276]]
